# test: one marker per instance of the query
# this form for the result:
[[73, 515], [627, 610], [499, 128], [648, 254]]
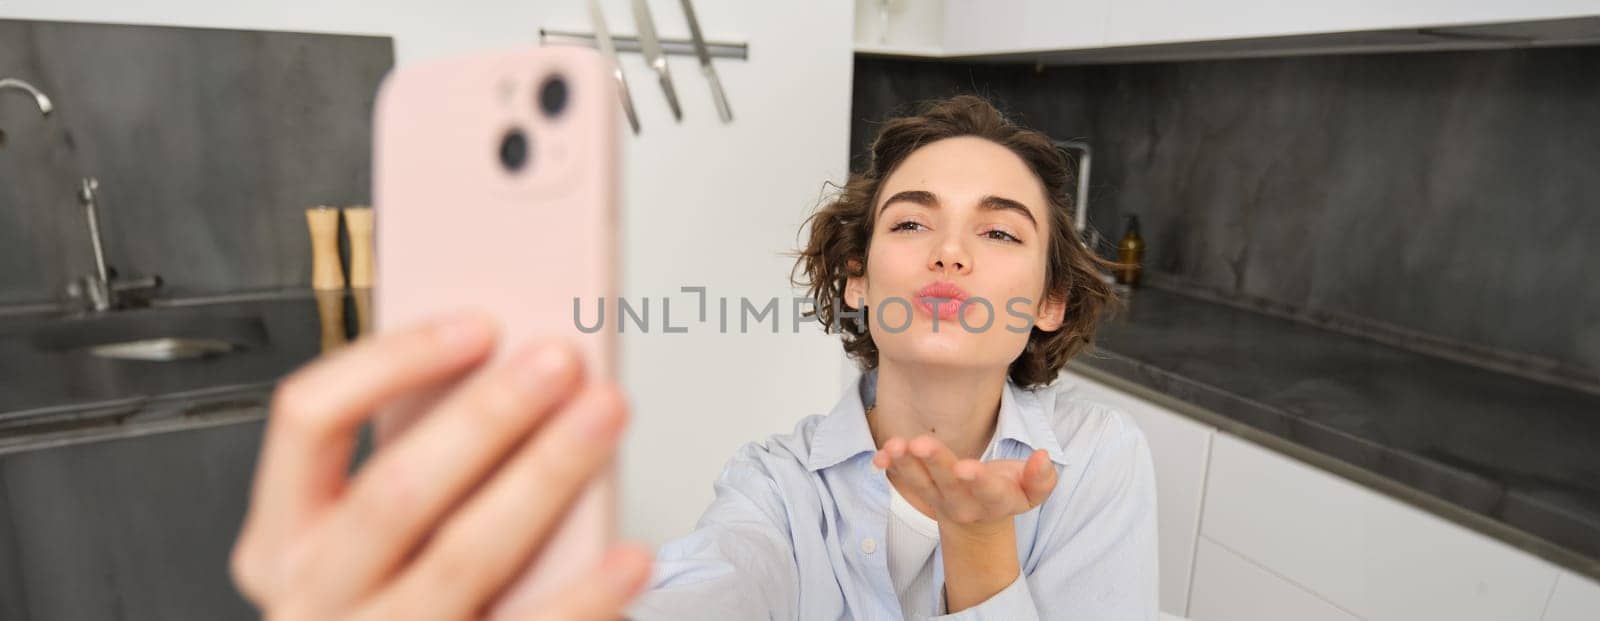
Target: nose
[[950, 255]]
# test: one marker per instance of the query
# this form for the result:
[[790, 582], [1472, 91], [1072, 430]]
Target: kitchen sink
[[150, 334], [55, 364]]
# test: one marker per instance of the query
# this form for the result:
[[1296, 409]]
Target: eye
[[905, 225], [1000, 235]]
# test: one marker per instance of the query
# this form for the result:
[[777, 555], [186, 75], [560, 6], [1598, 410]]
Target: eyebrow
[[990, 203]]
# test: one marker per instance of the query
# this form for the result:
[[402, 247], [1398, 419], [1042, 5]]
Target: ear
[[855, 287], [1052, 313]]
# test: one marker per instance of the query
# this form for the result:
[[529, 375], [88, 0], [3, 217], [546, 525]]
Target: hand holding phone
[[439, 522], [494, 182]]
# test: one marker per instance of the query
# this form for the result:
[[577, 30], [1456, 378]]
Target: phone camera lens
[[553, 96], [514, 150]]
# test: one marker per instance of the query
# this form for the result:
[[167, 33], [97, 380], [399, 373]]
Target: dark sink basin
[[56, 365], [151, 334]]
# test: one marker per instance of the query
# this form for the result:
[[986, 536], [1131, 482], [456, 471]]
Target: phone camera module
[[553, 96], [514, 150]]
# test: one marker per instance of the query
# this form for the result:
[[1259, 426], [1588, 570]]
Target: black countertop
[[1522, 453], [52, 392]]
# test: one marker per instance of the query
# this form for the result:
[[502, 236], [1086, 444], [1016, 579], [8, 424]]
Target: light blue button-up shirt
[[797, 526]]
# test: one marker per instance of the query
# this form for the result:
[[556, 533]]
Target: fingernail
[[462, 330], [538, 367]]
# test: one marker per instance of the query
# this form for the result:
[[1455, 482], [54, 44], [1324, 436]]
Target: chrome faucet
[[1080, 208], [45, 107], [1080, 215], [103, 289]]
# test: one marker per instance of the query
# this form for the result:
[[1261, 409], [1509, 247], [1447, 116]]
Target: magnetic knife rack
[[655, 50], [624, 43]]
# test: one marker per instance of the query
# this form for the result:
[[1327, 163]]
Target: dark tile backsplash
[[1450, 196], [207, 143]]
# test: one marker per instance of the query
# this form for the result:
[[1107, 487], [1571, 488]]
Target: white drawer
[[1229, 588], [1364, 552], [1576, 598]]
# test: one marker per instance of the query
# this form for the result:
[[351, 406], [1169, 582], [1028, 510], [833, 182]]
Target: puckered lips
[[941, 298]]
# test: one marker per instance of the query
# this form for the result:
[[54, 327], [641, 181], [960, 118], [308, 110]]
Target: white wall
[[705, 204]]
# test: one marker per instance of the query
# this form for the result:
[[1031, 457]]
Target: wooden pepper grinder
[[358, 221], [330, 310], [327, 274], [327, 271]]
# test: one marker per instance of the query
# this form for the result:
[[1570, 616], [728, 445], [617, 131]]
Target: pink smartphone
[[495, 183]]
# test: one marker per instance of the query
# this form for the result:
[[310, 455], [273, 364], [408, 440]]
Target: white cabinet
[[1362, 551], [937, 28], [1575, 598], [1061, 29], [1248, 533], [1142, 22], [979, 27], [1228, 587], [1180, 447], [911, 28]]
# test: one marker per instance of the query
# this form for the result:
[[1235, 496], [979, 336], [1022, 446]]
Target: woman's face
[[964, 212]]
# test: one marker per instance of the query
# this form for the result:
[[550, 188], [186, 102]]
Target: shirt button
[[869, 545]]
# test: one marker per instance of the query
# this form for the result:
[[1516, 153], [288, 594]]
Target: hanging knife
[[602, 36], [704, 53], [651, 45]]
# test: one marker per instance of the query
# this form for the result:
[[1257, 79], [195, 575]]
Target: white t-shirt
[[912, 539]]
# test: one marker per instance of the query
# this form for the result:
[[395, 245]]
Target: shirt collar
[[844, 433]]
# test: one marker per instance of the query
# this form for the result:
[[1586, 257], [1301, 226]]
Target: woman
[[1019, 501], [956, 479]]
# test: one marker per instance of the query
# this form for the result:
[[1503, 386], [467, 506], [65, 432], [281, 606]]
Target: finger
[[909, 473], [990, 486], [492, 536], [323, 405], [941, 467], [1038, 478], [409, 486], [400, 415], [1009, 469], [885, 456], [316, 413], [602, 594]]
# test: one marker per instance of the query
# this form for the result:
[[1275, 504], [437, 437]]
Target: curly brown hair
[[841, 235]]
